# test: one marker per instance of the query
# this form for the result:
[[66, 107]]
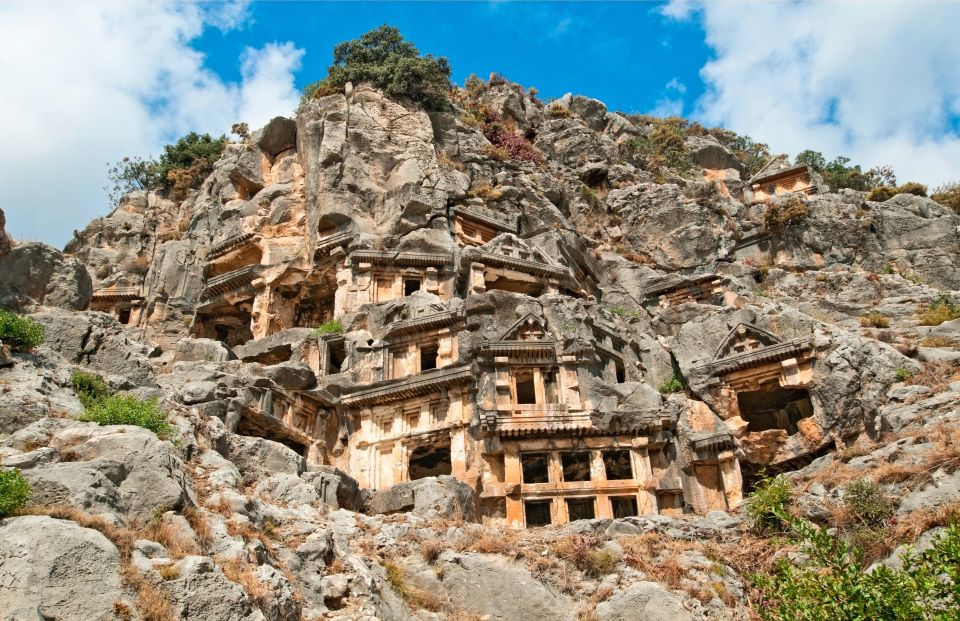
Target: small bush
[[834, 583], [942, 309], [674, 385], [912, 187], [786, 213], [583, 553], [14, 491], [557, 111], [127, 410], [881, 193], [867, 502], [19, 332], [948, 195], [504, 136], [331, 327], [875, 320], [766, 508], [89, 387], [415, 597], [625, 313], [903, 374]]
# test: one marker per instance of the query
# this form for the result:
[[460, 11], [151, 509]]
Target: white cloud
[[877, 82], [85, 84]]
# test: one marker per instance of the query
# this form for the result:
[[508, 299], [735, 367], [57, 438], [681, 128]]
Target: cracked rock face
[[385, 348]]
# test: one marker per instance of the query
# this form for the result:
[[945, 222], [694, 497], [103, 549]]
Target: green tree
[[188, 150], [383, 58], [14, 491], [813, 159]]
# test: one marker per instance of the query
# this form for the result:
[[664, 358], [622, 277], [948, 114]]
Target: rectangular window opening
[[410, 286], [580, 509], [429, 461], [123, 316], [428, 357], [537, 512], [526, 392], [576, 466], [624, 506], [621, 372], [617, 465], [336, 355], [534, 466]]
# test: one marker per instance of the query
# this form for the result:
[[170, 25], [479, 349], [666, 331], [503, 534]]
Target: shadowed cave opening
[[774, 408], [429, 461]]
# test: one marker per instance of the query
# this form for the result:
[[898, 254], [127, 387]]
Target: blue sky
[[89, 82], [622, 53]]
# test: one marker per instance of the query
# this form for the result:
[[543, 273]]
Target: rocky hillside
[[260, 318]]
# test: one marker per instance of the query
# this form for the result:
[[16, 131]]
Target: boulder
[[38, 385], [118, 469], [200, 591], [592, 111], [292, 375], [38, 274], [5, 242], [432, 496], [257, 458], [644, 601], [202, 350], [98, 341], [56, 569], [275, 348], [491, 585], [278, 135]]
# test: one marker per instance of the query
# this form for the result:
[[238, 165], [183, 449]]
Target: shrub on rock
[[786, 213], [14, 491], [21, 333], [127, 410]]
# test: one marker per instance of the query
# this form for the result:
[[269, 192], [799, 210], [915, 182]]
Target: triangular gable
[[765, 169], [510, 245], [744, 337], [528, 328], [394, 312]]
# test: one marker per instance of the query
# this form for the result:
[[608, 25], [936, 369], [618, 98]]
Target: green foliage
[[331, 327], [14, 491], [834, 584], [663, 146], [941, 309], [753, 154], [912, 187], [789, 212], [838, 174], [128, 410], [766, 507], [89, 387], [948, 195], [382, 57], [19, 332], [903, 374], [625, 313], [183, 163], [674, 385], [867, 502]]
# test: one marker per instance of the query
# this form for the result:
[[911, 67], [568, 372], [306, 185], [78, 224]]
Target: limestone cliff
[[387, 341]]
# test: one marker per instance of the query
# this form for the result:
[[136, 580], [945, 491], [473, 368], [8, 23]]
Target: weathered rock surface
[[56, 569], [36, 274], [438, 496]]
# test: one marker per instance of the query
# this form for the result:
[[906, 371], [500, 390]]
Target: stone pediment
[[527, 328], [508, 245], [403, 310], [744, 338]]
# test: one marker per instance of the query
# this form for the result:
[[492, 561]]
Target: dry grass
[[243, 574], [166, 534], [935, 375], [200, 525], [499, 543], [169, 572], [875, 320], [943, 342], [431, 550], [585, 554], [415, 597], [485, 191], [448, 162]]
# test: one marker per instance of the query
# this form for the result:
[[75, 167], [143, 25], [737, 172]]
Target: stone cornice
[[229, 244], [526, 266], [428, 322], [518, 350], [677, 283], [494, 222], [410, 387], [231, 281], [385, 257], [770, 353], [117, 294]]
